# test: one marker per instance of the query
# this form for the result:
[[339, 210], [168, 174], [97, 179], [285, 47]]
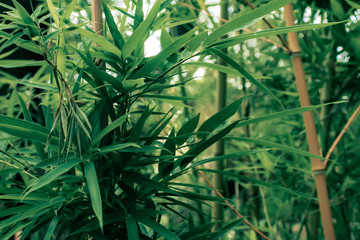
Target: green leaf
[[197, 230], [243, 178], [108, 129], [165, 38], [34, 210], [283, 114], [220, 68], [132, 228], [166, 166], [137, 129], [157, 227], [26, 18], [118, 38], [223, 230], [52, 175], [39, 149], [204, 144], [26, 130], [164, 54], [94, 191], [195, 42], [277, 145], [146, 182], [11, 41], [224, 43], [53, 12], [116, 83], [103, 42], [12, 63], [51, 228], [220, 117], [187, 128], [245, 20], [245, 73], [142, 30]]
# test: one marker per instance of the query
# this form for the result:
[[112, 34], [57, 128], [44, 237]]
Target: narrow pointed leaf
[[164, 54], [245, 20], [245, 73], [141, 31], [118, 38], [94, 191], [220, 117], [108, 129]]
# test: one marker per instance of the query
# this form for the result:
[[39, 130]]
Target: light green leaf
[[26, 18], [245, 20], [52, 175], [103, 42], [224, 43], [243, 178], [157, 227], [283, 114], [94, 191], [277, 145], [245, 73], [220, 117], [141, 31], [164, 54], [118, 38]]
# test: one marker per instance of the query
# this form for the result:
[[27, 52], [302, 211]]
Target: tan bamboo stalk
[[317, 164], [96, 17], [218, 209]]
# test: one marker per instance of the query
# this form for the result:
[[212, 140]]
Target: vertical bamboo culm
[[318, 166], [218, 209], [96, 17]]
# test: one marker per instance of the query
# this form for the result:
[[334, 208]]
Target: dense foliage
[[103, 141]]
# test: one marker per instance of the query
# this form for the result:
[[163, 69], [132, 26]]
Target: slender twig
[[337, 140], [230, 205]]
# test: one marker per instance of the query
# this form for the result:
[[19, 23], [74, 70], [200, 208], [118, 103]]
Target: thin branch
[[230, 205], [337, 140]]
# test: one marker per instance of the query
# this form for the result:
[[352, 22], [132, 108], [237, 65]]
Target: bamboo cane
[[218, 209], [96, 17], [317, 164]]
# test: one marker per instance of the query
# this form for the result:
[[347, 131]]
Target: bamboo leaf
[[53, 12], [220, 68], [187, 128], [245, 20], [203, 145], [26, 130], [164, 54], [283, 114], [94, 191], [12, 63], [224, 43], [157, 227], [26, 18], [116, 83], [51, 228], [277, 145], [118, 38], [141, 31], [220, 117], [109, 128], [243, 178], [52, 175], [103, 42], [132, 228], [245, 73]]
